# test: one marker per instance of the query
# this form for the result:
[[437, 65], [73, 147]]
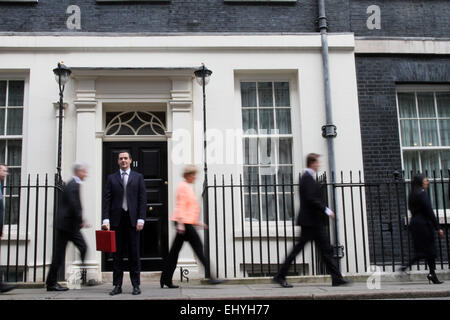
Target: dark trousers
[[127, 240], [62, 238], [170, 263], [317, 234]]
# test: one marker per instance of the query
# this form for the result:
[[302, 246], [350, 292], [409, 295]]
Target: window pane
[[248, 94], [430, 162], [285, 151], [285, 177], [428, 129], [14, 122], [11, 210], [251, 178], [2, 121], [445, 161], [125, 131], [443, 104], [13, 181], [251, 207], [267, 177], [407, 105], [265, 95], [285, 209], [410, 133], [267, 151], [2, 93], [268, 207], [284, 121], [250, 121], [266, 121], [282, 94], [14, 153], [411, 163], [426, 105], [15, 93], [251, 151], [2, 151], [444, 128]]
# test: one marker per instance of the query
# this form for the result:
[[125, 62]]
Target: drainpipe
[[329, 129]]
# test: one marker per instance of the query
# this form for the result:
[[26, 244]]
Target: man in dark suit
[[312, 219], [69, 222], [3, 175], [124, 206]]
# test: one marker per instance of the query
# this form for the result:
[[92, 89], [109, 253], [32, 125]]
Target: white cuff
[[328, 211], [140, 221], [106, 222]]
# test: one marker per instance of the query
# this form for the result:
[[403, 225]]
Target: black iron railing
[[28, 234], [252, 225]]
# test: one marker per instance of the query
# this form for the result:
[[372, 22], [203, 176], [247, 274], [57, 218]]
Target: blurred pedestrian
[[69, 222], [186, 218], [3, 175], [312, 218], [124, 208], [423, 226]]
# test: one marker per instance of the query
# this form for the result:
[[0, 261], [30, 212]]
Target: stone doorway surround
[[98, 90]]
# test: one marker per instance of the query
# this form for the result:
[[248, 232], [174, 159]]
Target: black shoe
[[116, 290], [282, 282], [56, 287], [340, 282], [433, 278], [169, 285], [5, 288], [215, 281], [136, 291]]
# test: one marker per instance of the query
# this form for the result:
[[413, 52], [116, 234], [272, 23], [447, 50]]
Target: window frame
[[267, 77], [442, 214], [7, 138]]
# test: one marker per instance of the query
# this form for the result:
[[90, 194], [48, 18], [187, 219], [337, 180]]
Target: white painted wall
[[158, 60]]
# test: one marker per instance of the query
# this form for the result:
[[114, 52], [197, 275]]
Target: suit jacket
[[312, 208], [69, 217], [113, 198]]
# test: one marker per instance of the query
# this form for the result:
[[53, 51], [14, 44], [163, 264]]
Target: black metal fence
[[252, 225], [28, 234]]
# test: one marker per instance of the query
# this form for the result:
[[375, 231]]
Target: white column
[[85, 106]]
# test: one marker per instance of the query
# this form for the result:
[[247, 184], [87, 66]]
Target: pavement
[[404, 286]]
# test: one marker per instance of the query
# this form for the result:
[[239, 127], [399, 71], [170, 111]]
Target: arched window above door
[[135, 123]]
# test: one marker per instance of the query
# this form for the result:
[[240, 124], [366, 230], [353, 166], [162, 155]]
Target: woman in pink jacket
[[186, 217]]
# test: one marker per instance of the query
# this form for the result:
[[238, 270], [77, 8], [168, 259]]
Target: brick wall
[[398, 18], [377, 79]]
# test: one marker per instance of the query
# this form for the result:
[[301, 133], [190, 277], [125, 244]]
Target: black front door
[[149, 159]]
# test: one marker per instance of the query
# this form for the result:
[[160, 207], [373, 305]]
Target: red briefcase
[[106, 240]]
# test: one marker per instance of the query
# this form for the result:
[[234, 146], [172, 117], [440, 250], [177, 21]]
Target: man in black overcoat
[[124, 208], [69, 222], [312, 219]]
